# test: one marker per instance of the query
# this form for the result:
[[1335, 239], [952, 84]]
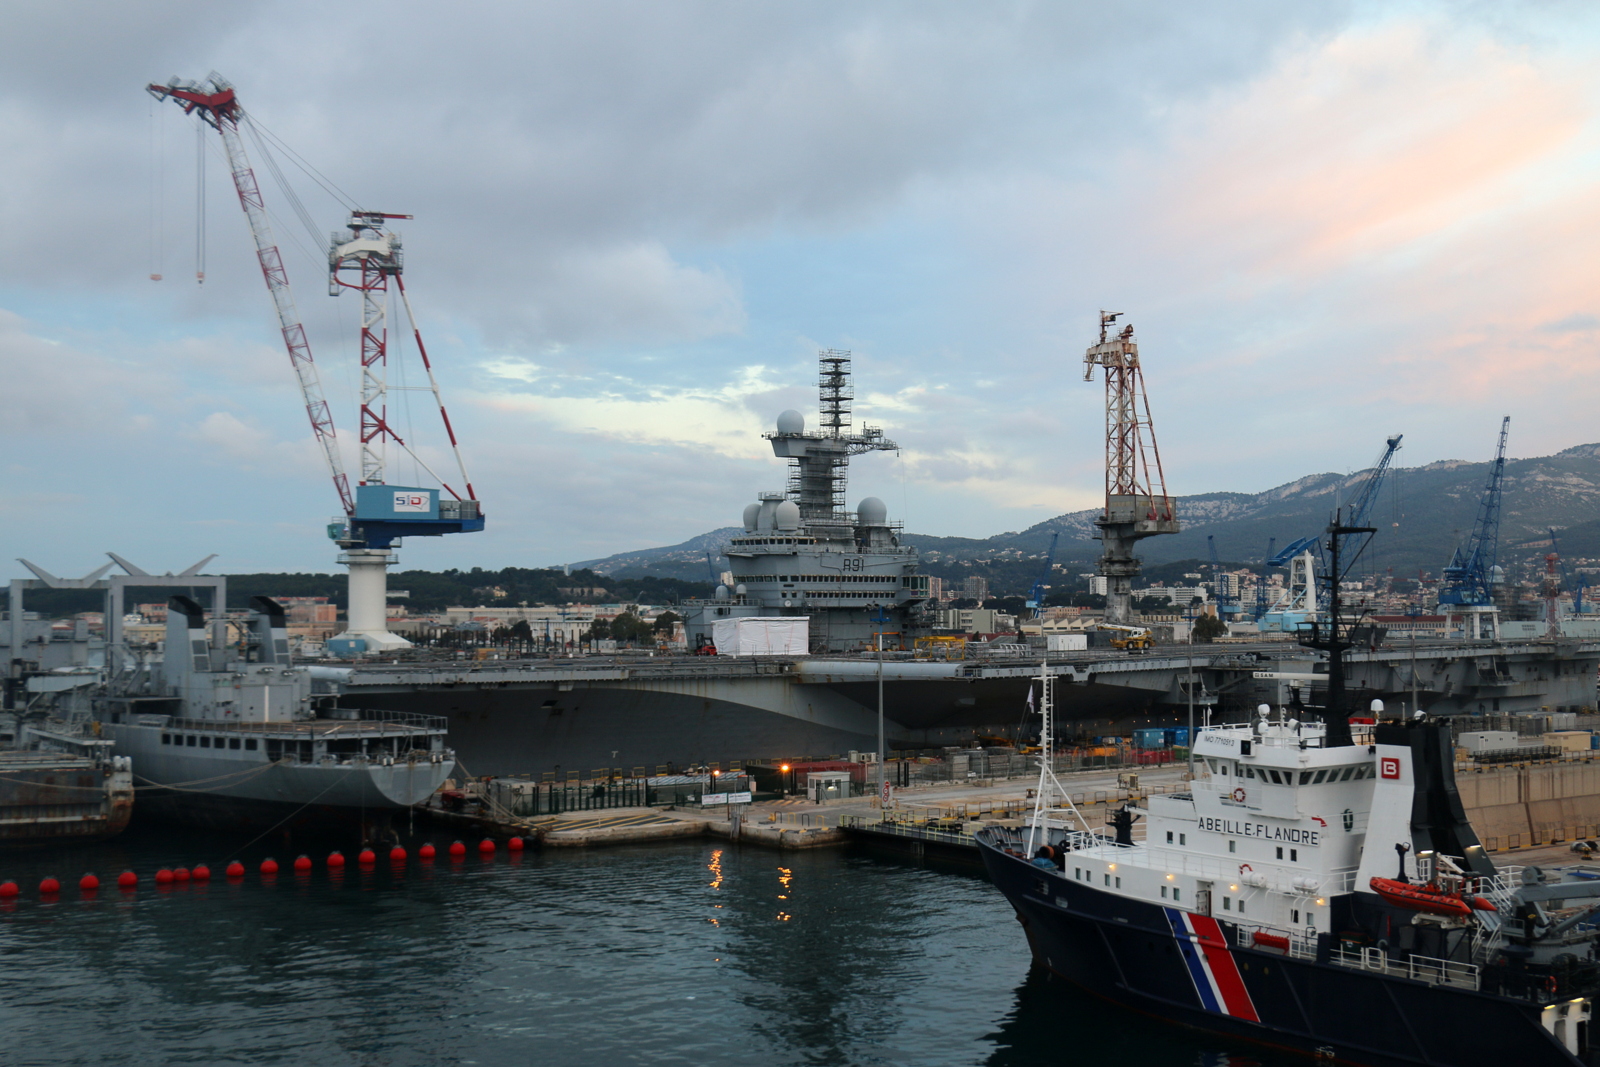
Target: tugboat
[[1317, 889]]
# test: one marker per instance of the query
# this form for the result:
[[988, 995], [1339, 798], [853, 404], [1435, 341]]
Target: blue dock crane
[[1036, 594], [1469, 577], [1227, 602], [1261, 582]]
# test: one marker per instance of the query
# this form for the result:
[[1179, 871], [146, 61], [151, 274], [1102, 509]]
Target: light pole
[[1190, 688], [880, 617]]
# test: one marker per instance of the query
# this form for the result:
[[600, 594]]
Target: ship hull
[[1127, 951], [237, 789], [45, 803]]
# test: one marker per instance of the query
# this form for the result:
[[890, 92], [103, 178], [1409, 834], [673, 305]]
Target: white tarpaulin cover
[[762, 636]]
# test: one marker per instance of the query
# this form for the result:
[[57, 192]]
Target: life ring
[[1245, 867], [1238, 795]]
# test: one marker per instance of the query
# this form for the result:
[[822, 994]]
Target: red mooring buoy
[[127, 880], [397, 855], [234, 870], [49, 887], [515, 844], [335, 860], [458, 849], [164, 876], [180, 874], [9, 890], [486, 846], [367, 856], [88, 883], [201, 873], [269, 866], [302, 864]]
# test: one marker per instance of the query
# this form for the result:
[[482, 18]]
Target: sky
[[637, 223]]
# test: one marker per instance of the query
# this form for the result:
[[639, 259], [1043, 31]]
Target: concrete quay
[[796, 824]]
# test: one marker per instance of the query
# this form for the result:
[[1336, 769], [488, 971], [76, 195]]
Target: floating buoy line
[[236, 872]]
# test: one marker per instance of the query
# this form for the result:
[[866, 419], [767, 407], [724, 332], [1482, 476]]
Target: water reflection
[[1052, 1020], [680, 953]]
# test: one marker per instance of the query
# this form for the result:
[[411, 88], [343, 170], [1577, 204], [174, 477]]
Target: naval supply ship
[[233, 737]]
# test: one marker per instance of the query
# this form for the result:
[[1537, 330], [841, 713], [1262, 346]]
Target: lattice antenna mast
[[215, 102], [1137, 504], [820, 462]]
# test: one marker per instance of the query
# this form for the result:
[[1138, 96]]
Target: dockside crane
[[1467, 586], [1567, 582], [1261, 581], [1227, 601], [1137, 504], [1035, 598], [1298, 602], [376, 513]]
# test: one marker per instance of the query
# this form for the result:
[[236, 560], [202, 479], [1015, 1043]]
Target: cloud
[[636, 223]]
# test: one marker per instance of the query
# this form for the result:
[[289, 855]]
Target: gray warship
[[219, 727]]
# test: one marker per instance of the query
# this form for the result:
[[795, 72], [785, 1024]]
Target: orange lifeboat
[[1429, 898]]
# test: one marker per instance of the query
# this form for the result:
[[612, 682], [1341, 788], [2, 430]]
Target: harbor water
[[692, 952]]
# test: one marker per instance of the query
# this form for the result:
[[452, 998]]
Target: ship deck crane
[[376, 513], [1036, 593]]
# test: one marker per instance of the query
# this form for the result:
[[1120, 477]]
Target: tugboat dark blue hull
[[1184, 968]]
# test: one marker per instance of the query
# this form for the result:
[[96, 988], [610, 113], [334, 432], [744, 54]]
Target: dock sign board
[[709, 799]]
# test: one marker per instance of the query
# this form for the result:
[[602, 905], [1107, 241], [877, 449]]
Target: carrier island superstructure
[[803, 555]]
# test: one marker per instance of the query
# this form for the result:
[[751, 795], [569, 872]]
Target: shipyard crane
[[1360, 509], [1227, 601], [1577, 585], [1298, 602], [1137, 504], [1036, 594], [1261, 582], [376, 513], [1469, 577], [217, 105]]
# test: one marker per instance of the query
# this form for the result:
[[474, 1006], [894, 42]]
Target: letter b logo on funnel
[[1389, 767]]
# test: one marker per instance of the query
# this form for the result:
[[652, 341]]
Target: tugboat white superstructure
[[1314, 890]]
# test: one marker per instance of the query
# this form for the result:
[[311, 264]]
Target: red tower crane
[[376, 514], [215, 102], [1137, 504]]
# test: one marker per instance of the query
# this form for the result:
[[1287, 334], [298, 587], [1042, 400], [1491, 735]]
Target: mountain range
[[1421, 513]]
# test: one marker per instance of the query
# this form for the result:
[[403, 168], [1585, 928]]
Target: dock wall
[[1538, 804]]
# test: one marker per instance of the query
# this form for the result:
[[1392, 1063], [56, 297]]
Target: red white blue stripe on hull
[[1211, 965]]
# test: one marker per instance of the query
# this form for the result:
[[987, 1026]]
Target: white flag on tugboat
[[1031, 708]]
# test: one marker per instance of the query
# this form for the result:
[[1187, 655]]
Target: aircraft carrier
[[801, 556]]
